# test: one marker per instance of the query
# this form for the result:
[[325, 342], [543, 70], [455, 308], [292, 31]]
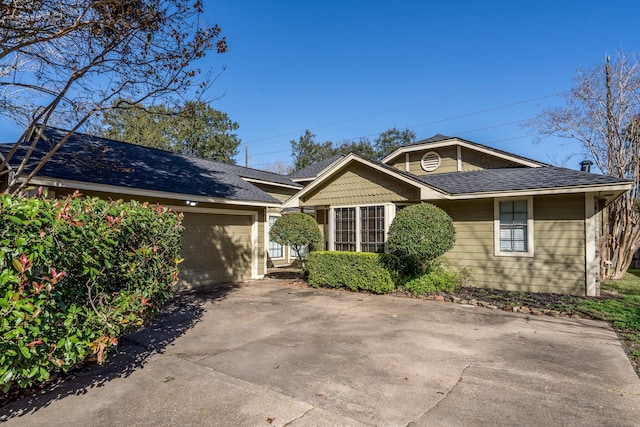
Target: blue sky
[[347, 69], [351, 69]]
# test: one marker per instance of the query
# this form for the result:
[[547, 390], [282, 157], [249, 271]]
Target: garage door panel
[[216, 249]]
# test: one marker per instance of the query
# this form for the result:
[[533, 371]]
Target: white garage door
[[217, 248]]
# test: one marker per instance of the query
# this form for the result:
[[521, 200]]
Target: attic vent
[[430, 161]]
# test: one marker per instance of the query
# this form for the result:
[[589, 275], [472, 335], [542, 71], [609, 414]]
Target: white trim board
[[105, 188], [455, 141]]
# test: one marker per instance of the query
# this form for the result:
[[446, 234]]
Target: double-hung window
[[513, 227], [275, 249], [372, 229], [345, 229]]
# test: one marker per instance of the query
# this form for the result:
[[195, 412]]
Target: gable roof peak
[[313, 170], [435, 138], [439, 140]]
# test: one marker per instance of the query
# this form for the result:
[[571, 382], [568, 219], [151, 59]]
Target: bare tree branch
[[64, 61], [602, 112]]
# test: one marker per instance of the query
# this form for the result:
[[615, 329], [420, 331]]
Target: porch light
[[191, 203]]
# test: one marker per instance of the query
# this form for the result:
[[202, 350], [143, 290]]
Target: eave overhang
[[105, 188], [271, 183], [608, 192]]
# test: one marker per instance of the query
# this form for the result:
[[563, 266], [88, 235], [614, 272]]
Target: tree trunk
[[623, 235]]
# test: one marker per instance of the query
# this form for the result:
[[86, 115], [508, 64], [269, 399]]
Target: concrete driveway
[[266, 353]]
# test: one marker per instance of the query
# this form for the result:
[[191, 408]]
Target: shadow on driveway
[[177, 317]]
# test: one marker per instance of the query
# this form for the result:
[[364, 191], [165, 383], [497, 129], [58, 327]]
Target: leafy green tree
[[306, 151], [193, 129], [392, 139], [423, 232], [362, 147], [137, 126], [297, 230]]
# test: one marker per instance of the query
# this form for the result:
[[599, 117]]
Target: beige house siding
[[216, 249], [398, 162], [215, 243], [360, 184], [280, 193], [558, 264], [448, 161], [322, 218], [472, 160], [452, 158], [281, 262]]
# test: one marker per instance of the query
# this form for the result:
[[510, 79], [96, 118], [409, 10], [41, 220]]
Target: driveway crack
[[412, 423]]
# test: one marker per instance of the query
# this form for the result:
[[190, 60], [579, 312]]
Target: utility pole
[[609, 101]]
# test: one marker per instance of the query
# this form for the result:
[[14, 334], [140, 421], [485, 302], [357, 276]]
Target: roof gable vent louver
[[430, 161]]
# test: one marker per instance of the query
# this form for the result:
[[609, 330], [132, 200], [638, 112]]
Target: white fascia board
[[428, 193], [189, 209], [456, 141], [274, 184], [616, 189], [104, 188], [607, 191], [291, 202], [425, 190]]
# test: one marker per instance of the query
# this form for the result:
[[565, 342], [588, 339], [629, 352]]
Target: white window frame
[[496, 228], [383, 228], [356, 238], [269, 241], [389, 215]]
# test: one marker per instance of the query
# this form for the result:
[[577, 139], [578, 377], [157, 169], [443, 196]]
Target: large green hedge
[[76, 274], [358, 271], [437, 279]]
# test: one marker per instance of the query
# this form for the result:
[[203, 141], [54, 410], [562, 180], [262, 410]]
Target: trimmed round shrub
[[422, 231], [297, 230]]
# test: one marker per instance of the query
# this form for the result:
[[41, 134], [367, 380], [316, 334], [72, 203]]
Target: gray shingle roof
[[435, 138], [514, 179], [104, 161], [261, 175], [313, 170]]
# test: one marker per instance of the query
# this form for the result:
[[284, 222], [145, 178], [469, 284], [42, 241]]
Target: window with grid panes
[[275, 249], [345, 229], [372, 229]]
